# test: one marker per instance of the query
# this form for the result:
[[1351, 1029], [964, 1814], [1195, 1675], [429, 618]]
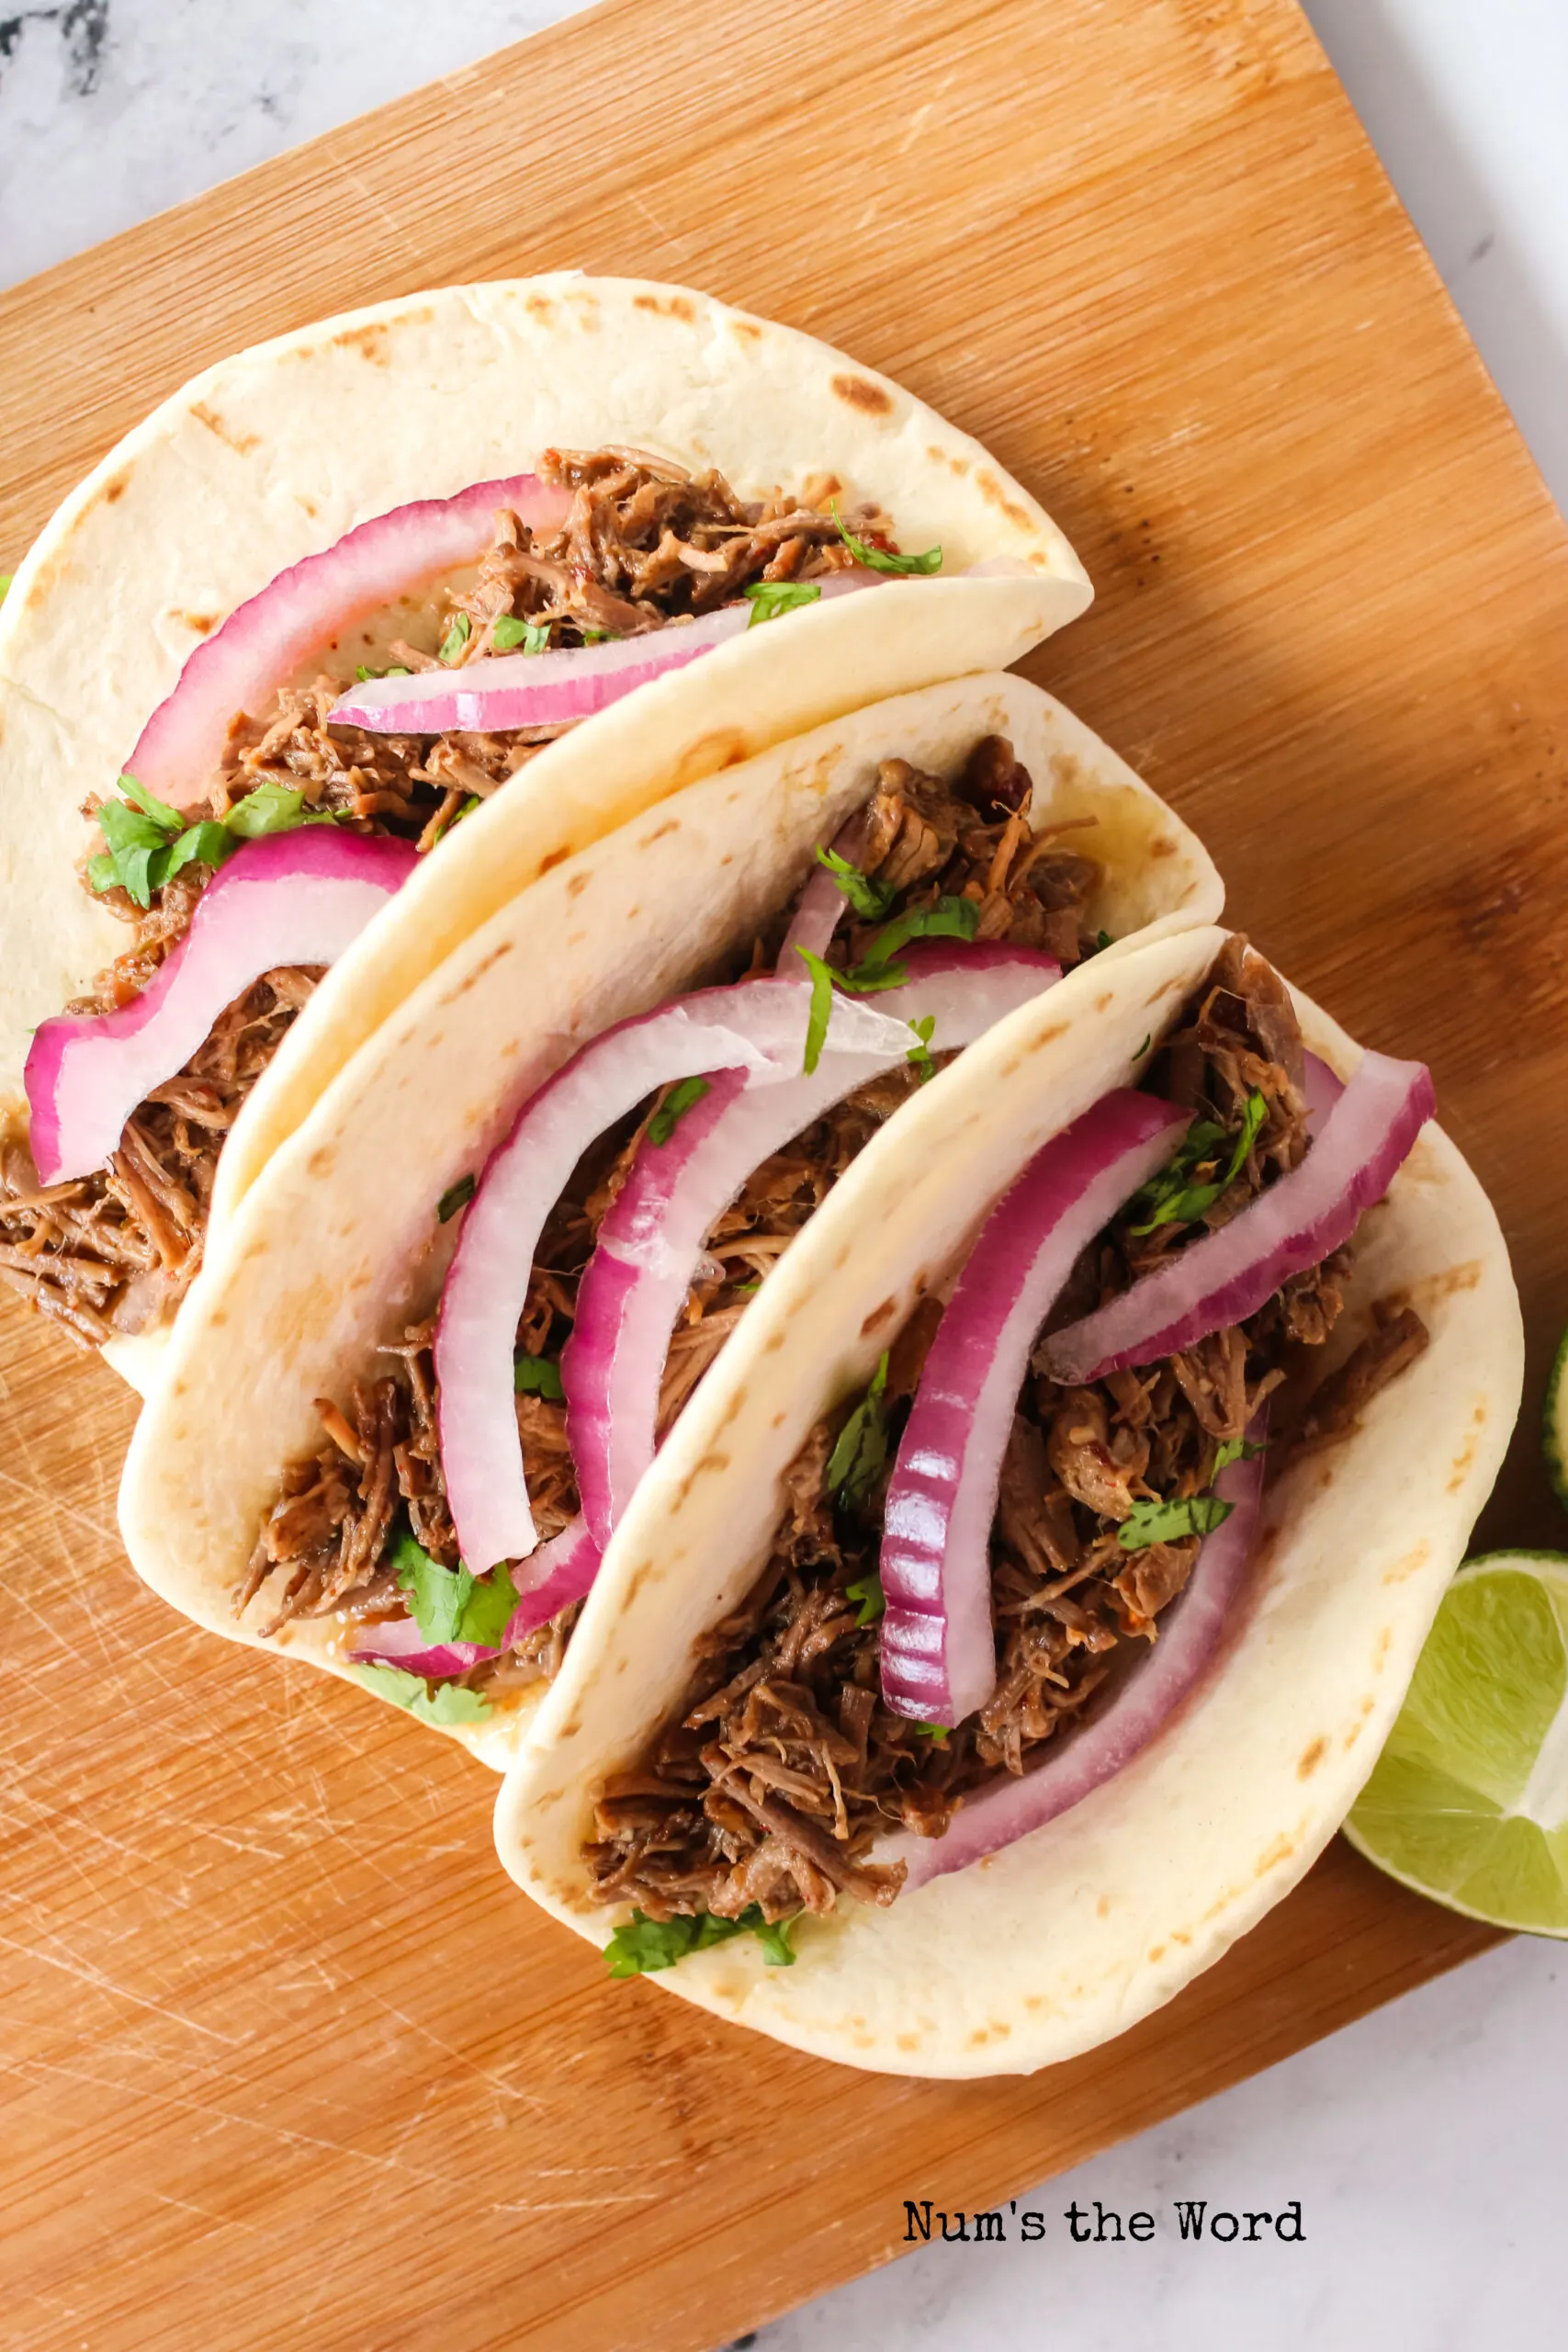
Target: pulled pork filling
[[326, 1545], [643, 544], [782, 1768]]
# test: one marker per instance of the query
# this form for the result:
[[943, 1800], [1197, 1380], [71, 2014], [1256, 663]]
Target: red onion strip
[[295, 898], [266, 639], [1301, 1217], [757, 1025], [399, 1642], [550, 689], [938, 1649], [1189, 1632], [651, 1241]]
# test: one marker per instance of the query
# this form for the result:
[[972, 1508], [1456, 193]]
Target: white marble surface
[[1426, 2144]]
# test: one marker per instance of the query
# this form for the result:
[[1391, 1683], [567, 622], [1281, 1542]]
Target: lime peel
[[1555, 1423]]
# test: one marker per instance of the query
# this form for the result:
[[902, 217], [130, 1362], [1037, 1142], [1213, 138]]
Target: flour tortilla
[[336, 1245], [1068, 1937], [274, 455]]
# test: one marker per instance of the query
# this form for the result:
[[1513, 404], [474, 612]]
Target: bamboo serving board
[[287, 2061]]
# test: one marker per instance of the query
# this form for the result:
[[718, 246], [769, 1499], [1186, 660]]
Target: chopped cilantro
[[361, 675], [1171, 1199], [870, 900], [674, 1107], [769, 598], [745, 1290], [934, 1732], [469, 805], [538, 1376], [643, 1945], [489, 1608], [598, 636], [158, 810], [949, 918], [206, 843], [821, 1006], [879, 558], [1235, 1449], [448, 1703], [437, 1595], [921, 1053], [1143, 1048], [1167, 1522], [456, 639], [1103, 942], [860, 1455], [457, 1196], [273, 807], [868, 1593], [533, 636], [5, 579]]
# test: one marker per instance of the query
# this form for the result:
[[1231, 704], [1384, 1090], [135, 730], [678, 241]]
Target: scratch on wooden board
[[85, 1975], [220, 2221], [400, 228]]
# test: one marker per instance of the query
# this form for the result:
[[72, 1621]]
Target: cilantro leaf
[[1143, 1048], [506, 633], [361, 675], [1235, 1449], [491, 1605], [769, 598], [869, 899], [749, 1289], [674, 1107], [1168, 1522], [867, 1590], [5, 579], [390, 1683], [878, 558], [641, 1945], [538, 1376], [158, 810], [821, 1006], [919, 1054], [437, 1595], [598, 637], [272, 808], [860, 1454], [456, 639], [936, 1733], [457, 1196], [949, 918], [1171, 1199], [207, 844]]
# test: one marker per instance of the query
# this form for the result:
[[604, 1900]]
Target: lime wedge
[[1468, 1801], [1555, 1423]]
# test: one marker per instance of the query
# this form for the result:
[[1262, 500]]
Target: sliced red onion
[[938, 1648], [1188, 1632], [267, 638], [506, 690], [757, 1025], [400, 1642], [650, 1242], [1228, 1276], [1322, 1088], [821, 902], [295, 898], [559, 1572]]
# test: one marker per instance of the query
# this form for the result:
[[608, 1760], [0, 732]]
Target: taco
[[412, 1396], [347, 600], [1016, 1615]]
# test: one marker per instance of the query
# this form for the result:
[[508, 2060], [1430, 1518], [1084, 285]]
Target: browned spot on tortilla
[[633, 913], [677, 307], [1367, 1704], [1048, 1037], [313, 510], [1156, 1952], [908, 2041], [879, 1315], [578, 884], [671, 825], [1352, 1736], [539, 306], [635, 1583], [940, 458], [1179, 983], [571, 1729], [1101, 1003], [1409, 1561], [202, 623], [779, 1419], [771, 1344], [714, 1461], [1311, 1759], [219, 1317], [241, 443], [726, 747], [1272, 1856], [843, 1257], [321, 1161], [1179, 1936], [747, 327], [858, 392], [115, 489], [1102, 1908], [1164, 845], [370, 341], [179, 1387], [994, 495], [556, 857], [1385, 1643], [504, 948], [1034, 2000]]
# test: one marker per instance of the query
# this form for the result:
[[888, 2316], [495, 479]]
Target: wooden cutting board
[[288, 2059]]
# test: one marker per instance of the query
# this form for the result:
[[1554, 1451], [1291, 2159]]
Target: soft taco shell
[[1066, 1938], [273, 455], [337, 1244]]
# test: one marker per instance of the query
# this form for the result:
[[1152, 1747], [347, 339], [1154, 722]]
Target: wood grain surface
[[287, 2060]]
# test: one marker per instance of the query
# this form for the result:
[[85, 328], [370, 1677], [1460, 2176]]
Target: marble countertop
[[1424, 2144]]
